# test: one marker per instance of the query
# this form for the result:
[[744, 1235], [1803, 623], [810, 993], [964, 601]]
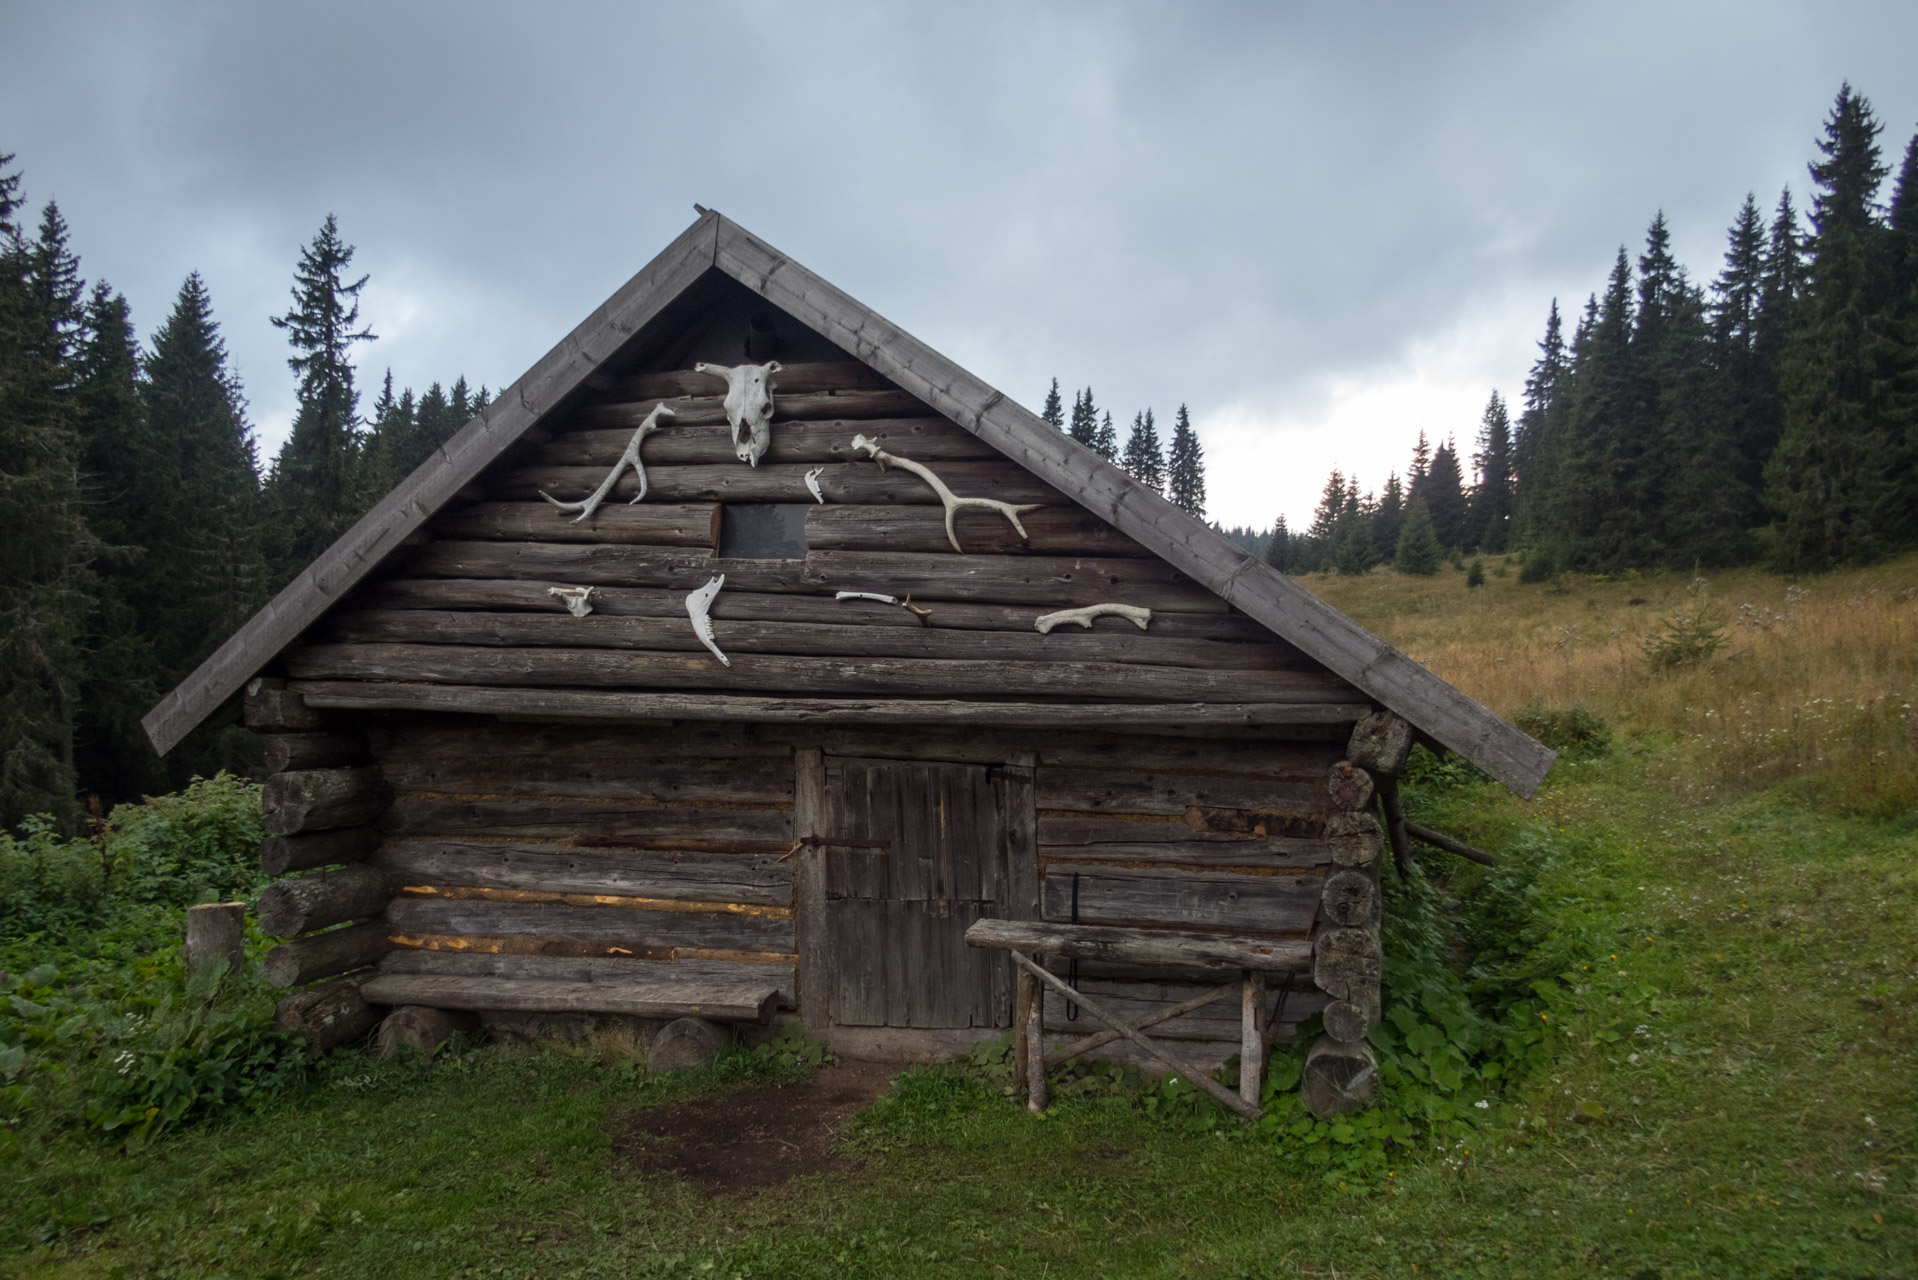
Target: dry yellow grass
[[1816, 680]]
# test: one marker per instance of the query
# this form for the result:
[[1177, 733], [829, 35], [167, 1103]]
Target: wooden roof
[[714, 243]]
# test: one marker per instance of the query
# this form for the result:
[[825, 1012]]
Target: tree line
[[1179, 475], [1769, 416], [140, 529]]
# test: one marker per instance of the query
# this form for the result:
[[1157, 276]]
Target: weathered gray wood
[[329, 1015], [1024, 984], [636, 929], [1352, 838], [281, 855], [1252, 1036], [657, 997], [649, 524], [1346, 1021], [216, 934], [861, 484], [1199, 1079], [1395, 827], [453, 465], [292, 751], [1210, 557], [794, 379], [1272, 831], [809, 899], [1054, 582], [269, 708], [710, 411], [1380, 743], [1346, 963], [792, 675], [1282, 760], [754, 606], [676, 444], [641, 825], [1181, 897], [289, 908], [922, 529], [1439, 840], [1350, 786], [602, 968], [761, 879], [1032, 1039], [323, 799], [1258, 854], [848, 637], [418, 1029], [1142, 790], [321, 955], [1019, 818], [619, 775], [1350, 900], [1142, 946], [1086, 1044], [1339, 1078]]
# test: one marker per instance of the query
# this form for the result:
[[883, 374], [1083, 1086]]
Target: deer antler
[[918, 611], [952, 501], [1130, 612], [630, 458]]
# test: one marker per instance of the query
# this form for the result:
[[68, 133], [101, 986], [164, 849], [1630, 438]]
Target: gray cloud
[[1256, 209]]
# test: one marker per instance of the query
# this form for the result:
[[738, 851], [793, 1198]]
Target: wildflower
[[1485, 1105]]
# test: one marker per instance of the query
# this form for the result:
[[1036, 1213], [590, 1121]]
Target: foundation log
[[300, 905]]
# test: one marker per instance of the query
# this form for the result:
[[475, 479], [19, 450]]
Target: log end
[[1339, 1078]]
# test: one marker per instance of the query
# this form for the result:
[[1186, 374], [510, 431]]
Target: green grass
[[1766, 1127]]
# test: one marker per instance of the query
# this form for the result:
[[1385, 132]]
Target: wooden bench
[[1249, 959], [744, 999]]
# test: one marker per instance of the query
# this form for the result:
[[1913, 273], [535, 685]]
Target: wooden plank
[[612, 969], [750, 606], [1181, 897], [678, 445], [1210, 1012], [1187, 544], [634, 930], [1197, 826], [815, 955], [451, 468], [1140, 1020], [709, 410], [922, 529], [799, 674], [792, 379], [740, 1000], [1020, 821], [1143, 946], [603, 822], [1261, 853], [723, 781], [1257, 759], [862, 483], [689, 524], [848, 638], [1139, 791], [597, 704], [764, 879]]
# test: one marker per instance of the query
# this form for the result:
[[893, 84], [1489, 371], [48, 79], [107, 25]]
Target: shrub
[[1539, 565], [48, 884], [1685, 641], [1475, 577], [1573, 732]]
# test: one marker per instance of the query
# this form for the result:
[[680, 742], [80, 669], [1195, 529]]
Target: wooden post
[[1252, 1037], [809, 891], [216, 931], [1021, 1033], [1035, 1040]]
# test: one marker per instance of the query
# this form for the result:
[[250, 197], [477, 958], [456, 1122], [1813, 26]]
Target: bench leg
[[1035, 1037], [1252, 1037], [1021, 1010]]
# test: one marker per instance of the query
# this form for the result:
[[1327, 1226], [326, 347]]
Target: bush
[[1539, 565], [1573, 732], [48, 884], [1475, 577]]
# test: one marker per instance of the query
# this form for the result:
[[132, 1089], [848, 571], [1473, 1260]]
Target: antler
[[630, 458], [1130, 612], [952, 501], [918, 611]]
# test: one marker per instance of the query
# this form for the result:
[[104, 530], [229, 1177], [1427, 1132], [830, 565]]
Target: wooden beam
[[1099, 1039], [452, 466], [692, 524], [739, 1000], [793, 379], [1143, 946], [676, 444], [1439, 840], [810, 818], [708, 410], [587, 704]]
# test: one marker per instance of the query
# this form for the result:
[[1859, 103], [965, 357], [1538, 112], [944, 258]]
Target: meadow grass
[[1735, 1100]]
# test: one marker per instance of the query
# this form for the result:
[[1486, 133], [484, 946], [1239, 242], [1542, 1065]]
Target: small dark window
[[763, 530]]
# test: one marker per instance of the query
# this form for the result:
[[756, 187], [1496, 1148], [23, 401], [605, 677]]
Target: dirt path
[[758, 1136]]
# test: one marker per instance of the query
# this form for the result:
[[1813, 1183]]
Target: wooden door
[[917, 854]]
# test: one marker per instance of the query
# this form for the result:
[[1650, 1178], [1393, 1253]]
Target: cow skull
[[749, 405]]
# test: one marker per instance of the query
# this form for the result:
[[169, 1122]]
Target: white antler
[[578, 600], [923, 614], [952, 501], [749, 405], [812, 483], [1130, 612], [630, 458], [698, 607]]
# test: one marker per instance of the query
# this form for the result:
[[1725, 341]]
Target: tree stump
[[685, 1043], [215, 932], [422, 1030], [1339, 1078]]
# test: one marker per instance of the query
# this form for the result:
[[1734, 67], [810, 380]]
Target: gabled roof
[[714, 243]]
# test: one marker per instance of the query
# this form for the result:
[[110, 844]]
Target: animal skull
[[749, 405]]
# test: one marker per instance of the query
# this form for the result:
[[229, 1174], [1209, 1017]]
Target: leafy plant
[[1685, 641], [1574, 732]]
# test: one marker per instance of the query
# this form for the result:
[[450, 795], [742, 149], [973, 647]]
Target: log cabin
[[858, 694]]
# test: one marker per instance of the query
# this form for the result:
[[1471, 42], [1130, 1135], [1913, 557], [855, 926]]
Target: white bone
[[698, 606], [952, 501], [578, 600], [630, 458], [812, 483], [749, 405], [1131, 612], [918, 611]]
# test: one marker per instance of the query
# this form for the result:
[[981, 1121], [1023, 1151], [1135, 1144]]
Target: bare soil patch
[[753, 1137]]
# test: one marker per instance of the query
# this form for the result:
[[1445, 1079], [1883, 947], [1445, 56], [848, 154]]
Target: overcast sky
[[1323, 227]]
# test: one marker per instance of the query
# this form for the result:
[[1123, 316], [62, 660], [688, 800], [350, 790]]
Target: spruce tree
[[1491, 516], [1105, 441], [1390, 516], [1144, 455], [45, 584], [1055, 411], [1419, 552], [1531, 469], [315, 491], [1443, 493], [1187, 468], [1599, 456], [1834, 478], [1278, 551], [1311, 550], [1085, 419]]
